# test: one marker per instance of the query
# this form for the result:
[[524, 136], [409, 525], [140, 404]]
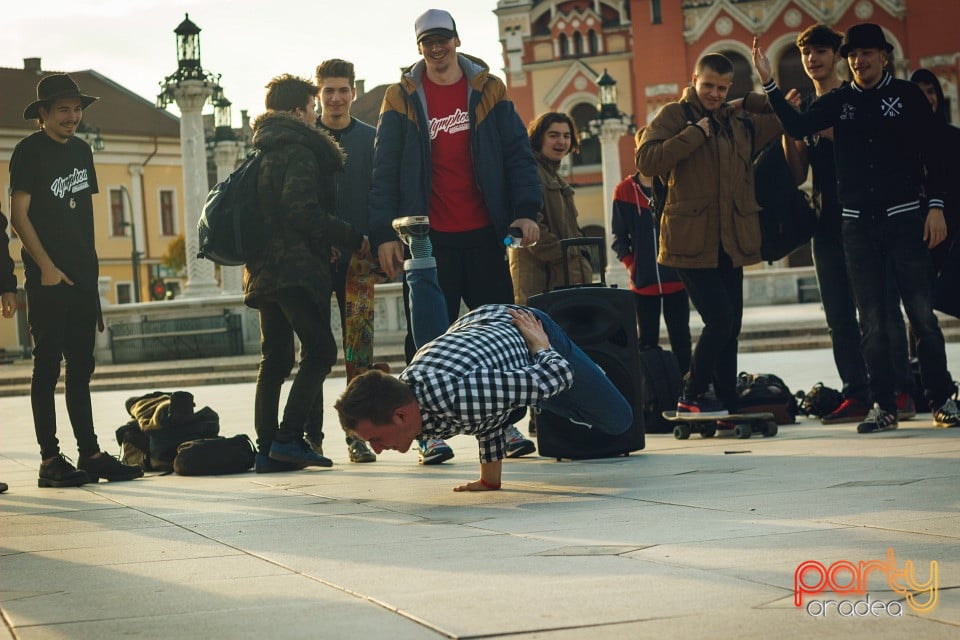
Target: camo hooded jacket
[[296, 194]]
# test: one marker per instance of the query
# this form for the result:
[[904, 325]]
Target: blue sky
[[246, 41]]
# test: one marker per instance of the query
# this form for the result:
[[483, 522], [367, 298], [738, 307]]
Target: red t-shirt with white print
[[455, 200]]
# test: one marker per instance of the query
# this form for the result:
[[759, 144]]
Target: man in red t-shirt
[[451, 145]]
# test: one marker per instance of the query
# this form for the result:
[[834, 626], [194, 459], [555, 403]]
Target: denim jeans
[[63, 323], [471, 266], [287, 312], [717, 294], [840, 310], [877, 250], [591, 399], [676, 315]]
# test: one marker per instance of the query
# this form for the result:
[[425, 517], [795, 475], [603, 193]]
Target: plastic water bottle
[[514, 239]]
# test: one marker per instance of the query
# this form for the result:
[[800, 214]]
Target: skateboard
[[744, 425], [362, 274]]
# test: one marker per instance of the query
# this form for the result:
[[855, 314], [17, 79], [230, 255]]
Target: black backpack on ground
[[161, 422], [660, 386], [819, 401], [765, 392], [214, 456], [231, 229]]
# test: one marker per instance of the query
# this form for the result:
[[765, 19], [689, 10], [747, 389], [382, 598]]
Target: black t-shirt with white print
[[61, 181]]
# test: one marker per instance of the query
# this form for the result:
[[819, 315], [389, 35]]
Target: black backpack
[[787, 219], [765, 392], [214, 456], [232, 229], [819, 401], [660, 388]]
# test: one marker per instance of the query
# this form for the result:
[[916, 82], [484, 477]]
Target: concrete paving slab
[[685, 539]]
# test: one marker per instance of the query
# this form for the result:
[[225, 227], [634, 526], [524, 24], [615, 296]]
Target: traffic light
[[158, 290]]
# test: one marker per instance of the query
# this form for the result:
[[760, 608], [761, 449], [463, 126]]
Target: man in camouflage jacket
[[289, 284]]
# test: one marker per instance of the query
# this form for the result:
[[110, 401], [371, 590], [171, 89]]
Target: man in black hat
[[451, 146], [53, 180], [887, 155]]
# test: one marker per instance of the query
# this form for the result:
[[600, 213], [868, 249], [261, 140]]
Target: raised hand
[[761, 63]]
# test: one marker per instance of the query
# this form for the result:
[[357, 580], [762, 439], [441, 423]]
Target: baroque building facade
[[554, 50]]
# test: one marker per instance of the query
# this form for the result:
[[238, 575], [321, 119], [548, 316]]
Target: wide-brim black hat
[[54, 87], [864, 36]]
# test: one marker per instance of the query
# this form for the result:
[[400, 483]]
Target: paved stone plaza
[[687, 539]]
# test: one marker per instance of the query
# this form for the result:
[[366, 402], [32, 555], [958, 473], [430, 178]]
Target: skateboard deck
[[743, 425], [362, 274]]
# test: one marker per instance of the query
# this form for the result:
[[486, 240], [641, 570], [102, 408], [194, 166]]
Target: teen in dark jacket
[[887, 154], [636, 239], [289, 283]]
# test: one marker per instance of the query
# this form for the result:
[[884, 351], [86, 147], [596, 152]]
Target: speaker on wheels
[[602, 322]]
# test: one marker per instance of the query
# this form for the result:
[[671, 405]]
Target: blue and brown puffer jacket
[[504, 167], [296, 192]]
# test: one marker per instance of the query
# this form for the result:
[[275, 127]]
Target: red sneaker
[[906, 409], [850, 410]]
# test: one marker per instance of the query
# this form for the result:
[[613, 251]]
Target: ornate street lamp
[[222, 118], [610, 126], [191, 86]]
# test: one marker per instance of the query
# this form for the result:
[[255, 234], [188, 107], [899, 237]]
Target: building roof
[[367, 106], [118, 111]]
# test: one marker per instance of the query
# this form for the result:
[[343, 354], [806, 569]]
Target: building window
[[168, 219], [124, 293], [582, 114], [593, 41], [118, 218], [578, 44], [564, 45], [656, 16]]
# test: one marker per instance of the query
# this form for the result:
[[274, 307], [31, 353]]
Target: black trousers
[[676, 315], [717, 295], [63, 323], [291, 311]]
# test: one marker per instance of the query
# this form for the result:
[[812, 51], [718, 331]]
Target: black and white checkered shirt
[[469, 379]]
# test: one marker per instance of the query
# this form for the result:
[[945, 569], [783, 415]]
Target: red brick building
[[555, 49]]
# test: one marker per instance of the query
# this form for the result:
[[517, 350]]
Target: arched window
[[582, 114], [578, 44], [564, 45], [742, 75], [593, 42], [790, 73]]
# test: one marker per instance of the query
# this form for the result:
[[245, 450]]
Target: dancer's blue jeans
[[592, 399]]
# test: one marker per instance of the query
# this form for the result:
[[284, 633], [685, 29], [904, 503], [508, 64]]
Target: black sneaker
[[850, 410], [265, 464], [315, 442], [59, 472], [360, 451], [878, 420], [3, 487], [700, 406], [109, 468], [298, 452], [948, 415]]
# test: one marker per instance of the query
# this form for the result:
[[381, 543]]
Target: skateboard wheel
[[708, 432], [743, 431], [770, 429], [681, 432]]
